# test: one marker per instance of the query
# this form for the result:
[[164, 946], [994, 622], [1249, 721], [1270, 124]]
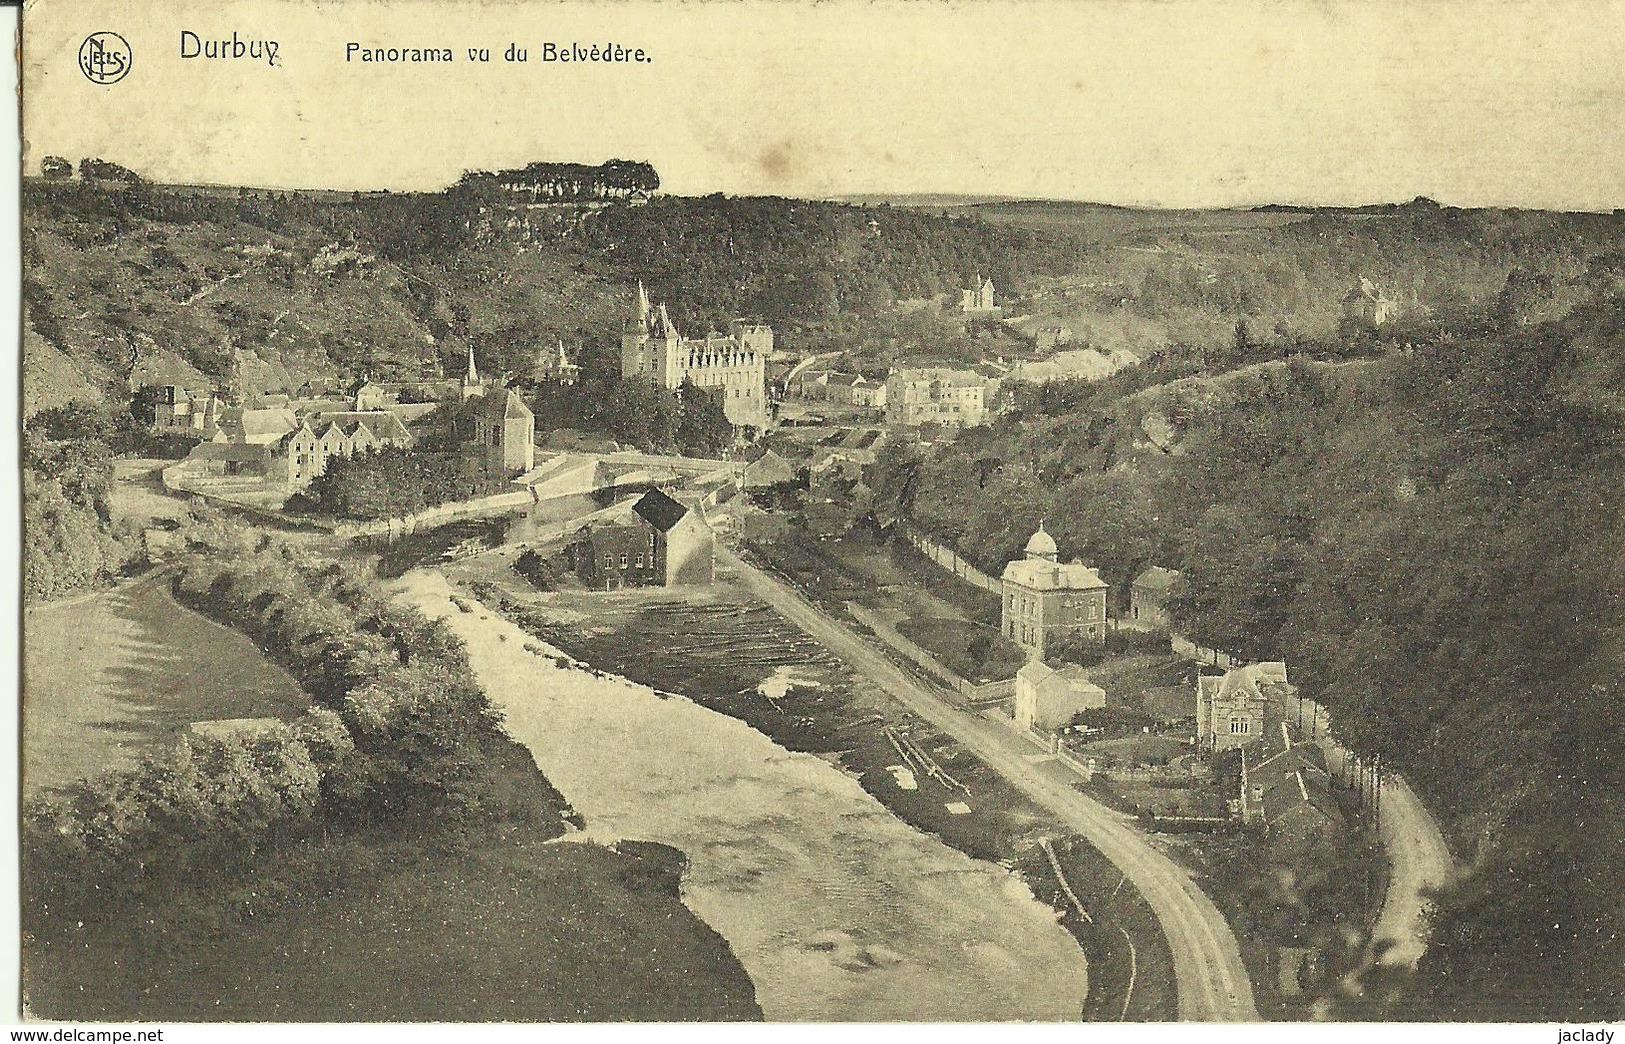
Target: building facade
[[505, 435], [305, 452], [1047, 699], [979, 299], [663, 543], [1148, 598], [1045, 601], [952, 398], [195, 411], [1231, 710], [732, 365]]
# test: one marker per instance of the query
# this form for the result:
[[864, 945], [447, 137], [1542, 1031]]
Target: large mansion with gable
[[733, 365]]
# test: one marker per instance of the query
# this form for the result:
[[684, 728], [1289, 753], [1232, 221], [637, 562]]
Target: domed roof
[[1041, 545]]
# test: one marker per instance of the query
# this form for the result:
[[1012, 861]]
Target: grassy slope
[[119, 675]]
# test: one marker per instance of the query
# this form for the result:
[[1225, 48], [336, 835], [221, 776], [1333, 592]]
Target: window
[[640, 561], [1240, 726], [623, 560], [609, 560]]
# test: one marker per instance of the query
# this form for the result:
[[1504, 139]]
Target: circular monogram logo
[[104, 58]]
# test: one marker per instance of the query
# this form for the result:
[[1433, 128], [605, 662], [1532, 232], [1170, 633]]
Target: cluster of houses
[[835, 386], [910, 397], [1045, 603], [289, 441]]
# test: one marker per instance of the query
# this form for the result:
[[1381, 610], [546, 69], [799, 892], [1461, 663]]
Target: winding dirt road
[[1419, 861], [1212, 980]]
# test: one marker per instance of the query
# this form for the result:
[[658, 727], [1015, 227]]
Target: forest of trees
[[396, 739], [1431, 541], [70, 542], [638, 413]]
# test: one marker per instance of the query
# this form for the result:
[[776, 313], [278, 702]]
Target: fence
[[1187, 648], [949, 559], [989, 692]]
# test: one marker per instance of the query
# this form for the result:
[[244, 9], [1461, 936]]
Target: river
[[838, 910]]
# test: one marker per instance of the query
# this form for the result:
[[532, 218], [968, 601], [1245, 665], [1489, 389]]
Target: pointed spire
[[643, 302], [472, 377]]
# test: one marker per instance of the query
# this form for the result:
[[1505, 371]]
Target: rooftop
[[659, 510], [1044, 575], [1157, 578]]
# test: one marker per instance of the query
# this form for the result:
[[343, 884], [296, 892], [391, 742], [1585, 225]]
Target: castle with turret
[[733, 365]]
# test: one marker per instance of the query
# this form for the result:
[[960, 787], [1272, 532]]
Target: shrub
[[399, 732]]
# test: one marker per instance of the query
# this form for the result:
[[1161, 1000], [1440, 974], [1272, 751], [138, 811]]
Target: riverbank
[[498, 922], [727, 650], [836, 907]]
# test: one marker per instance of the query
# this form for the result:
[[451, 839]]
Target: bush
[[538, 570], [399, 733]]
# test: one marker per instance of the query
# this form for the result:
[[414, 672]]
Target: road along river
[[1212, 980], [836, 908]]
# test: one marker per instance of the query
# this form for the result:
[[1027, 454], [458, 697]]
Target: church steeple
[[471, 379]]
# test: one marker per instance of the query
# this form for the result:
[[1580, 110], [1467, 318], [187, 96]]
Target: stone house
[[663, 543], [1044, 600], [195, 411], [1046, 698], [1148, 597], [935, 395], [304, 453], [1231, 710], [979, 299], [505, 435]]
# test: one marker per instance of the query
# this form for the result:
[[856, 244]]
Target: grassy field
[[110, 677], [498, 923], [975, 652]]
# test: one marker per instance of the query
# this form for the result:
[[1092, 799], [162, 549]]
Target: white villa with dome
[[1045, 600]]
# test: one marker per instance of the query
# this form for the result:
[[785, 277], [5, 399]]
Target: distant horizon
[[927, 200]]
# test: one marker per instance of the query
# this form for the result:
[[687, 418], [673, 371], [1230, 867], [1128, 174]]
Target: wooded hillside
[[1432, 539]]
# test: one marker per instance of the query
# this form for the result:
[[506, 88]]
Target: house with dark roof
[[661, 542], [1290, 793], [232, 459], [769, 470]]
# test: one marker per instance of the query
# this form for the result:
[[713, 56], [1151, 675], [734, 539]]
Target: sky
[[1165, 103]]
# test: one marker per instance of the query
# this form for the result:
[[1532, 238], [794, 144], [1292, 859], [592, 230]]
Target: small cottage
[[1047, 698]]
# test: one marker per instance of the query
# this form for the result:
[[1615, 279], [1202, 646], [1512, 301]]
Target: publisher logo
[[104, 58]]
